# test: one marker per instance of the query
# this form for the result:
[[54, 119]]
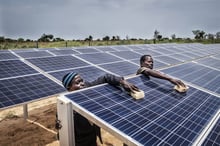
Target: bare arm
[[157, 74]]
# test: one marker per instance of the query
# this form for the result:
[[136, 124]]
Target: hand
[[177, 82], [128, 86]]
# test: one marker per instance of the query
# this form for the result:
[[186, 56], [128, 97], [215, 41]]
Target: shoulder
[[141, 69]]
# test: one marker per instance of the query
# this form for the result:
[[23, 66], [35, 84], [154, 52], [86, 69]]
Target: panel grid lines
[[178, 114]]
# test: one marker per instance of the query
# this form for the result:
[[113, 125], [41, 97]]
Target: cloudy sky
[[77, 19]]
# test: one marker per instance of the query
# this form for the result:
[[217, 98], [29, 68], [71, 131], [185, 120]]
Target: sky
[[78, 19]]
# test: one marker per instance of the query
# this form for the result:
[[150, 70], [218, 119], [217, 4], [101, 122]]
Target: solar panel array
[[28, 75], [163, 117]]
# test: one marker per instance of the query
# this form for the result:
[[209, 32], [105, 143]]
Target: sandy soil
[[38, 129]]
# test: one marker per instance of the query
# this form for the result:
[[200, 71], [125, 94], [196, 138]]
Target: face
[[148, 62], [77, 83]]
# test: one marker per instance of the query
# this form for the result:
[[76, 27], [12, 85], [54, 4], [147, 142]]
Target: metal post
[[65, 115], [25, 111]]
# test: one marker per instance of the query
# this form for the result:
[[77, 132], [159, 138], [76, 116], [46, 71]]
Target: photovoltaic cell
[[89, 73], [151, 52], [64, 52], [197, 74], [212, 62], [57, 63], [122, 68], [105, 49], [167, 59], [7, 56], [127, 54], [99, 58], [25, 89], [163, 117], [86, 50], [213, 139], [34, 54], [13, 68]]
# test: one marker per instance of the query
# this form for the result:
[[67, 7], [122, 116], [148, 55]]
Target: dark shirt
[[85, 132]]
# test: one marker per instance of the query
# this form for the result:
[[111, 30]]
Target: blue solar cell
[[122, 68], [7, 56], [99, 58], [151, 52], [86, 50], [57, 63], [170, 118], [181, 57], [213, 138], [121, 48], [89, 73], [105, 49], [13, 68], [197, 74], [64, 52], [34, 54], [212, 62], [127, 54], [167, 59], [25, 89]]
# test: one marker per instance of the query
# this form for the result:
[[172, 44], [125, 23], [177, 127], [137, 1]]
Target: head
[[73, 81], [147, 61]]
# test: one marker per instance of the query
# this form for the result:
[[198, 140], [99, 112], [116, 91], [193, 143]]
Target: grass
[[63, 44]]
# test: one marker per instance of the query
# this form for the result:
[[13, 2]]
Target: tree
[[156, 33], [46, 38], [20, 40], [173, 36], [218, 35], [199, 34], [2, 39], [106, 38]]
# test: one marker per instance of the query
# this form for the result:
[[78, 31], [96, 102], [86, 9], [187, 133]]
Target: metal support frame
[[25, 111], [65, 115]]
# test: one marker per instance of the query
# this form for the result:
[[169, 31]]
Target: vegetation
[[48, 41]]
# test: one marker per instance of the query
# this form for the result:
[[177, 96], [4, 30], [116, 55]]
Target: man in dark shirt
[[146, 68], [86, 132]]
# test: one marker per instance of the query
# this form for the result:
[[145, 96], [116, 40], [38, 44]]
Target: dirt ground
[[38, 129]]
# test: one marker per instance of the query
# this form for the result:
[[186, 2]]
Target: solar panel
[[7, 56], [163, 117], [197, 74], [64, 52], [105, 48], [13, 68], [180, 57], [122, 68], [127, 54], [34, 54], [99, 58], [19, 90], [213, 139], [57, 63], [86, 50], [89, 73], [121, 48], [149, 52], [212, 62], [167, 59]]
